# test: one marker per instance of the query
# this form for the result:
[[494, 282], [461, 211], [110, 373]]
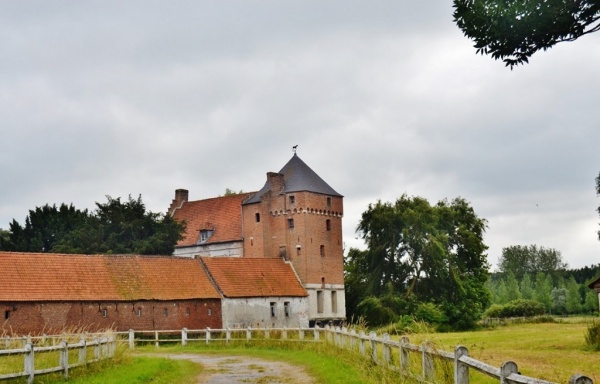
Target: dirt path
[[242, 369]]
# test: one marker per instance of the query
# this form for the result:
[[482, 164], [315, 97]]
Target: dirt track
[[242, 369]]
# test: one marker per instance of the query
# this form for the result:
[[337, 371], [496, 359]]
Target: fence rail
[[395, 355], [103, 348]]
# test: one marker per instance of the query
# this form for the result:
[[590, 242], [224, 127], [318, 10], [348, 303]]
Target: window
[[334, 301], [187, 311], [257, 217], [322, 250], [272, 305], [165, 312], [209, 312], [329, 201], [298, 251], [286, 308], [328, 224], [104, 313], [291, 223], [205, 234], [292, 199], [7, 314], [319, 301], [139, 312]]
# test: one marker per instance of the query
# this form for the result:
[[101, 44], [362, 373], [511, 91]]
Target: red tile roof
[[221, 214], [58, 277], [253, 277]]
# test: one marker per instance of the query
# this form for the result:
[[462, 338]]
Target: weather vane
[[294, 148]]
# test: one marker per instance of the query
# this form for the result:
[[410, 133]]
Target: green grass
[[549, 351], [134, 370]]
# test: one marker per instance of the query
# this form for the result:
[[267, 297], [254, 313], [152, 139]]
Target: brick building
[[51, 293], [296, 216]]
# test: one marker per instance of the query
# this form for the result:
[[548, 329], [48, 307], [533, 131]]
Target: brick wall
[[314, 247], [54, 317]]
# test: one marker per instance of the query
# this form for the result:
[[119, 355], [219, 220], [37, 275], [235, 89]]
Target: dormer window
[[205, 234]]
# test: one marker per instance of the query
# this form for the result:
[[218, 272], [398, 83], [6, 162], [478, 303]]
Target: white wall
[[327, 313], [256, 312], [230, 249]]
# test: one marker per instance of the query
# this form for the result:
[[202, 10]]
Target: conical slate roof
[[297, 177]]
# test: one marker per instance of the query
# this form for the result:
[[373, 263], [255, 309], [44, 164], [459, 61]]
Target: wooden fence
[[418, 362], [47, 354]]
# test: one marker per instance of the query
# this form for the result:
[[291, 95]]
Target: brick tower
[[297, 216]]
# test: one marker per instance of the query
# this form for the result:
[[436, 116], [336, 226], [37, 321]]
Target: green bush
[[430, 313], [516, 308], [592, 337]]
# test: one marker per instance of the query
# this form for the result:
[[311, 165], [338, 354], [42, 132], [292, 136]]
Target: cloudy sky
[[382, 98]]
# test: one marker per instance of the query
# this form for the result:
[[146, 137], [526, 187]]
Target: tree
[[543, 290], [513, 30], [114, 227], [559, 300], [424, 254], [512, 287], [522, 259], [527, 290], [591, 302], [573, 296], [598, 193]]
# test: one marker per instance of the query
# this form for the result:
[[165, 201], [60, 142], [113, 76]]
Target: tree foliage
[[420, 253], [114, 227], [513, 30], [530, 259]]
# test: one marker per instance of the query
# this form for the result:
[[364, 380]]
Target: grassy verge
[[550, 351], [133, 370]]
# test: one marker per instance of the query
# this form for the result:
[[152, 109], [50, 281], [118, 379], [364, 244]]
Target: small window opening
[[187, 311], [334, 301], [286, 308], [329, 201], [319, 301], [139, 312], [104, 313], [272, 305], [298, 251], [205, 234], [328, 224], [291, 223], [292, 199], [257, 217], [322, 250], [209, 312], [6, 314], [165, 312]]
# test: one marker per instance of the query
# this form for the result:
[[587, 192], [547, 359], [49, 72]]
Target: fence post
[[29, 363], [404, 354], [266, 332], [64, 358], [184, 337], [427, 363], [97, 349], [385, 349], [227, 335], [131, 339], [352, 339], [361, 343], [156, 339], [316, 332], [461, 370], [580, 379], [207, 335], [300, 333], [372, 337], [248, 334], [83, 350], [506, 369], [284, 333]]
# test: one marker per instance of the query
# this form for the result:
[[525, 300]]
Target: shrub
[[430, 313], [592, 337], [516, 308]]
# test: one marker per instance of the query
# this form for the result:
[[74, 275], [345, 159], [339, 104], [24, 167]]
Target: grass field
[[549, 351]]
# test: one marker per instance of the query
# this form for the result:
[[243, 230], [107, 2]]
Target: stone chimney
[[181, 196], [276, 182]]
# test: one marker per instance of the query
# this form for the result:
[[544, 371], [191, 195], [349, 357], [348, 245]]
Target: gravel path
[[242, 369]]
